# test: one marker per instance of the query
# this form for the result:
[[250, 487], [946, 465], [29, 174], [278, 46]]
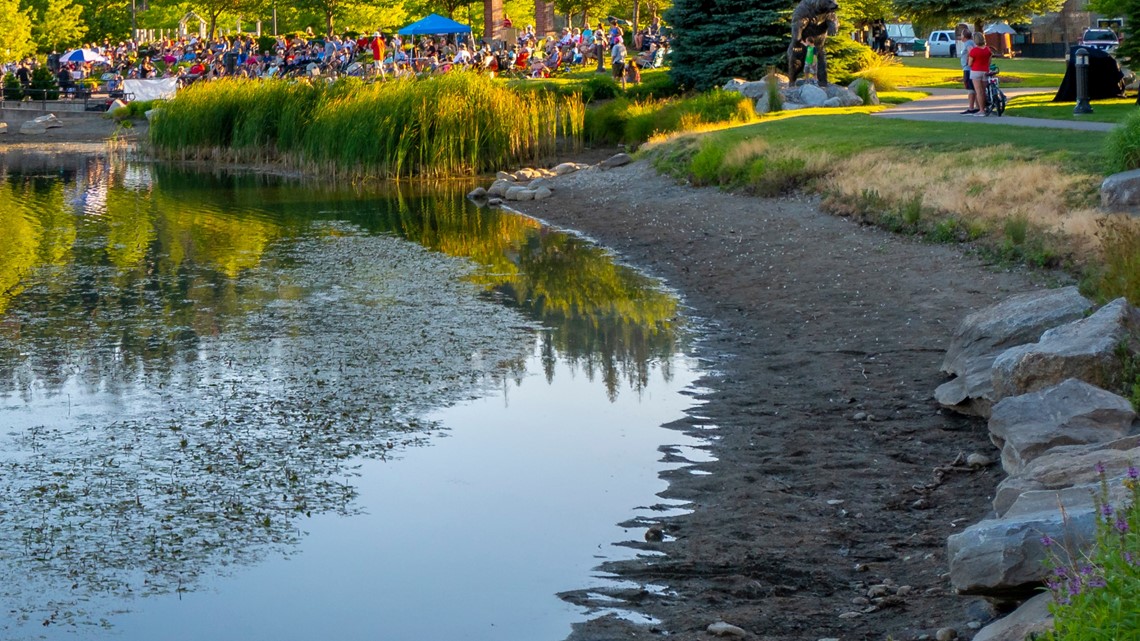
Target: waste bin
[[230, 59], [53, 62]]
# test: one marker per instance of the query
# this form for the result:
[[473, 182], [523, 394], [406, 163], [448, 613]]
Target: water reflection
[[191, 364], [178, 242]]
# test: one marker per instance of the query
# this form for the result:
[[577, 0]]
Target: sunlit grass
[[947, 72], [1041, 105]]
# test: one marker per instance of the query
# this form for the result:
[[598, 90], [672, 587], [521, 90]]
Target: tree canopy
[[948, 11], [16, 37]]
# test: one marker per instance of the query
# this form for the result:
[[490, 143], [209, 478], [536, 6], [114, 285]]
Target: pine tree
[[1129, 50], [717, 40]]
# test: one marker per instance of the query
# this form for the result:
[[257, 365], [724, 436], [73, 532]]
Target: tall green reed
[[440, 126]]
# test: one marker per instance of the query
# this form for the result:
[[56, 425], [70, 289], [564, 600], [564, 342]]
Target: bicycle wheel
[[1000, 103]]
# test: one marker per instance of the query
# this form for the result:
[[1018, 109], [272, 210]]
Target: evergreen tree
[[717, 40], [1129, 50]]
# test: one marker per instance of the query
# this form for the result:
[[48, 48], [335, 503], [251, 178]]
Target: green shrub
[[266, 44], [654, 85], [775, 98], [43, 82], [599, 87], [705, 167], [1096, 594], [846, 58], [12, 88], [1123, 153], [635, 122]]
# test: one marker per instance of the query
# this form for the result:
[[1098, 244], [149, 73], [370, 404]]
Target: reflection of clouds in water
[[142, 489]]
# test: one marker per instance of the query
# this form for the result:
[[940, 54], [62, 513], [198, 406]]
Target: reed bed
[[456, 124]]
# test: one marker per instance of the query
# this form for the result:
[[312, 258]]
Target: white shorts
[[977, 75]]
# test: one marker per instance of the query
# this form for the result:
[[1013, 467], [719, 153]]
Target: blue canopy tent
[[434, 25]]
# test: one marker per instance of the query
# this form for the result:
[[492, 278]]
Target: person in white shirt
[[463, 56], [617, 56]]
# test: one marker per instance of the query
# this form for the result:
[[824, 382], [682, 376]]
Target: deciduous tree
[[16, 35], [61, 25], [947, 11]]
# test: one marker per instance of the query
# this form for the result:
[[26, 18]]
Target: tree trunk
[[636, 14], [329, 23]]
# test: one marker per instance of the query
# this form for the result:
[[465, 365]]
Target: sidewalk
[[946, 105]]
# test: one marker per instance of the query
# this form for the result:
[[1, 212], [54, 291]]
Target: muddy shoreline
[[824, 338]]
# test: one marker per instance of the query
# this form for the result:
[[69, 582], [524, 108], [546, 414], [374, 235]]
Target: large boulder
[[33, 128], [985, 334], [857, 85], [1070, 413], [616, 160], [755, 90], [1005, 557], [1069, 466], [810, 95], [499, 187], [1121, 190], [49, 121], [1032, 617], [1088, 349]]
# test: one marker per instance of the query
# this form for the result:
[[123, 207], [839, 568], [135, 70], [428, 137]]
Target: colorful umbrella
[[82, 55]]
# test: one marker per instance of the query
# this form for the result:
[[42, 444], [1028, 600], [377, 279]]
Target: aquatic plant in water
[[160, 472], [456, 124]]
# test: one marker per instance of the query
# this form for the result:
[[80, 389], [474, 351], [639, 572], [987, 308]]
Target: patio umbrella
[[81, 55], [1000, 27]]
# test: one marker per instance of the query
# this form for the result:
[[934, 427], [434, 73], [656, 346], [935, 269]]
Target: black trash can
[[230, 59], [53, 62]]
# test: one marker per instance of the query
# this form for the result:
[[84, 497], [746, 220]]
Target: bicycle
[[995, 99]]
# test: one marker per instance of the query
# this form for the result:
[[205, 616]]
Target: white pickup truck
[[941, 43]]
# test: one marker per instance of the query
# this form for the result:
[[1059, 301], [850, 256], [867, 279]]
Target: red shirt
[[980, 58]]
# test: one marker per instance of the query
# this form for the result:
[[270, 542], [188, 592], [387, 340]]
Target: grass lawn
[[847, 134], [946, 72], [1040, 106]]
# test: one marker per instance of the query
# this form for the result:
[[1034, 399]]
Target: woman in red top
[[979, 60]]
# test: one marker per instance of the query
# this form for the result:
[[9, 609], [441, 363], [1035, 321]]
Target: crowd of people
[[190, 59]]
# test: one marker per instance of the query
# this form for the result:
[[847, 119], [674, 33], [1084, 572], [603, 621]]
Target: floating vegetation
[[191, 365], [219, 460], [456, 124]]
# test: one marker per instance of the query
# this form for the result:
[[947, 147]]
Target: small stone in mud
[[495, 202], [859, 416], [904, 590], [946, 634], [655, 534], [722, 629], [835, 502], [979, 460], [920, 504], [850, 615], [878, 590], [478, 192], [860, 600], [616, 160]]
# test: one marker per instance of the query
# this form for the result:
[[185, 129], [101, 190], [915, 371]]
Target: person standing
[[378, 50], [979, 58], [617, 56], [965, 44], [600, 47]]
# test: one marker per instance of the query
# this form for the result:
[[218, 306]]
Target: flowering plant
[[1096, 595]]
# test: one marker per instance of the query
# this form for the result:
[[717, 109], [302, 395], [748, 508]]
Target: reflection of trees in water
[[165, 256]]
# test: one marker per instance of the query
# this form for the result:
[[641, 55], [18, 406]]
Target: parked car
[[1103, 39], [941, 43], [902, 40]]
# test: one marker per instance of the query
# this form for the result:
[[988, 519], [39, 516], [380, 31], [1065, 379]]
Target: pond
[[238, 407]]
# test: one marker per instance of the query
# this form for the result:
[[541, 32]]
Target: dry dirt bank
[[825, 338]]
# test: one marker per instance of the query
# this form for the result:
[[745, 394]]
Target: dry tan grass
[[990, 186]]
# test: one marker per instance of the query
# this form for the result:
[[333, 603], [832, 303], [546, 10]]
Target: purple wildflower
[[1099, 467], [1133, 473], [1046, 540], [1106, 510], [1096, 582], [1128, 558], [1061, 571], [1074, 588], [1121, 525]]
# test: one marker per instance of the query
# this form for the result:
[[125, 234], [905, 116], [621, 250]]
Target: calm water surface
[[240, 408]]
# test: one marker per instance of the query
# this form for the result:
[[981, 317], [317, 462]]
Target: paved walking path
[[946, 105]]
